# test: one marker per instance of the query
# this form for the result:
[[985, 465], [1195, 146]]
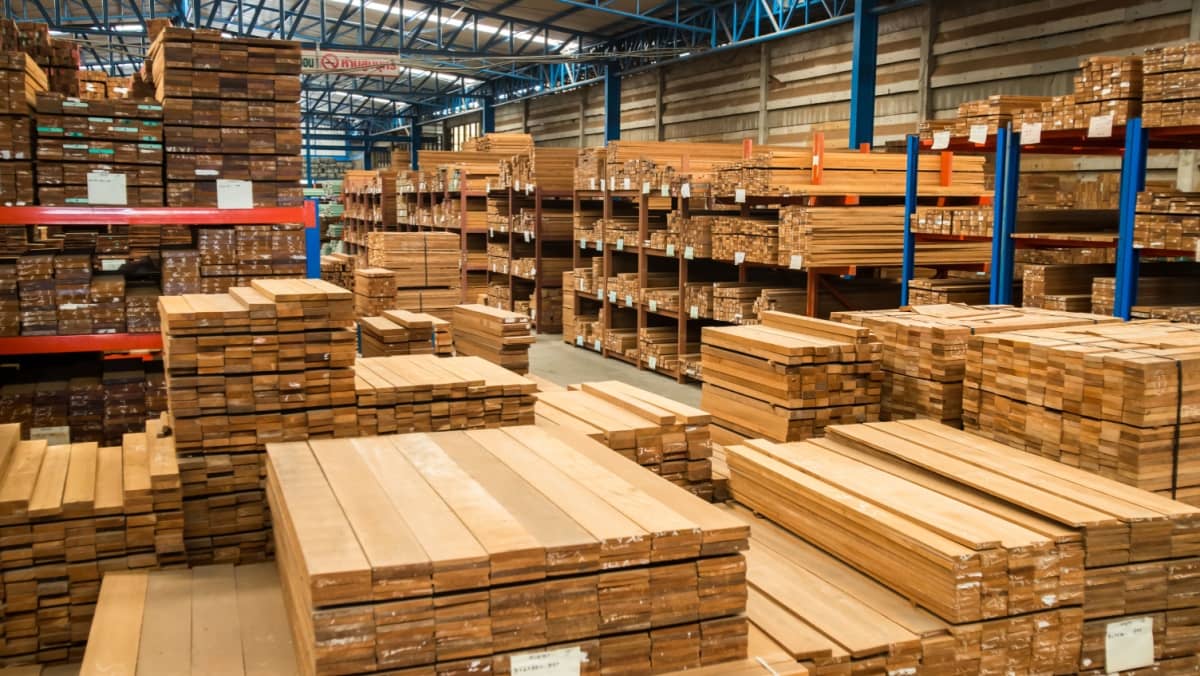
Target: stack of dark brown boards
[[664, 436], [425, 393], [271, 362], [70, 514], [400, 332], [458, 549], [790, 377], [20, 80], [499, 336], [1119, 559], [1120, 400], [925, 351]]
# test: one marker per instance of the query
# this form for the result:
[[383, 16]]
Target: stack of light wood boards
[[1167, 220], [21, 79], [790, 377], [925, 350], [374, 291], [547, 169], [265, 363], [458, 548], [1117, 399], [993, 113], [404, 332], [437, 302], [664, 436], [952, 290], [1178, 290], [338, 269], [70, 514], [974, 221], [746, 240], [1105, 87], [497, 335], [508, 143], [1170, 75], [424, 393], [1053, 286], [648, 166], [419, 259]]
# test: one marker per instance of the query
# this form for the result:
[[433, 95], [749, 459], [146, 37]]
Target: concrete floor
[[564, 364]]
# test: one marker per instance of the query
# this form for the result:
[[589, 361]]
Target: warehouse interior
[[599, 337]]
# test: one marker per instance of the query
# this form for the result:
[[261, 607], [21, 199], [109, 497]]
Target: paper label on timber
[[593, 179], [599, 294], [620, 244], [517, 185], [1129, 644], [612, 296], [739, 195], [671, 249], [941, 140], [666, 190], [59, 435], [654, 306], [626, 184], [978, 133], [796, 262], [739, 257], [689, 253], [528, 188], [645, 187], [111, 264], [233, 194], [596, 346], [527, 237], [629, 299], [653, 362], [562, 662], [579, 341], [1100, 126], [685, 190], [695, 313], [583, 242], [1031, 133], [106, 188], [599, 245]]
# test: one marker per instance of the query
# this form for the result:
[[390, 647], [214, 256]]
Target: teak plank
[[79, 493], [216, 627], [114, 639], [166, 642], [266, 644], [47, 498]]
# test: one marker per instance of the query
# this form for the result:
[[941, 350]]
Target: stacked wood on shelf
[[371, 203], [399, 332], [57, 58], [499, 336], [1169, 220], [546, 309], [459, 548], [1169, 85], [265, 363], [925, 351], [546, 169], [992, 113], [668, 438], [20, 79], [1060, 287], [419, 259], [1116, 400], [790, 377], [72, 513], [755, 239], [231, 112], [651, 166], [1107, 93], [424, 393], [508, 144], [961, 290], [970, 221]]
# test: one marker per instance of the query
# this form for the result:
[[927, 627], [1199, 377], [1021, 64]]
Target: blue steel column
[[489, 115], [612, 103], [862, 73], [312, 241], [998, 237], [1133, 181], [1002, 275], [910, 206], [414, 145]]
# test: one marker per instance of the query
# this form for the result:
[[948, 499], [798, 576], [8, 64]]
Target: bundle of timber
[[993, 113], [457, 171], [567, 326], [835, 236], [659, 349], [668, 438], [589, 169], [231, 112], [419, 259], [974, 221], [1169, 85], [400, 332], [545, 308], [551, 268], [1045, 286], [425, 393], [734, 302], [698, 300], [954, 290], [338, 269], [546, 169], [457, 548], [648, 166], [791, 376], [374, 291], [1108, 92], [836, 620], [1175, 313], [21, 80], [497, 335], [264, 363], [71, 514], [1167, 221], [437, 302], [1115, 399], [746, 240], [780, 300], [925, 350], [557, 222], [508, 144]]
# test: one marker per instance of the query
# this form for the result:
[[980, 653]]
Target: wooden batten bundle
[[953, 290], [499, 336], [418, 259], [374, 291]]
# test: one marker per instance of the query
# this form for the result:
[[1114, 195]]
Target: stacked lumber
[[779, 300], [971, 221], [952, 290], [230, 112], [455, 547], [374, 291], [925, 351], [658, 348], [1169, 220], [734, 302], [1107, 87], [698, 300], [1175, 313], [338, 269], [400, 332], [419, 259], [499, 336], [993, 113], [1115, 399], [437, 302], [546, 169], [264, 363], [1043, 286], [833, 236], [746, 240], [70, 514], [424, 393], [790, 377], [545, 308], [1169, 85], [20, 79], [651, 166], [508, 144], [666, 437]]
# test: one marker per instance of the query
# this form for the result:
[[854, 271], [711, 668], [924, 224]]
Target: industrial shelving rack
[[540, 199]]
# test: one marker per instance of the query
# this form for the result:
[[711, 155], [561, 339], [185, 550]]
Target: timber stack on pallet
[[1154, 294], [456, 549], [231, 113], [499, 336], [271, 362], [1118, 400], [424, 393], [20, 79], [70, 514], [668, 438], [1168, 88], [400, 332], [925, 351], [374, 291], [419, 259], [970, 291], [1128, 557], [790, 377]]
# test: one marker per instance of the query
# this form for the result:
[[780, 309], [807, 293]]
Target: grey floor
[[564, 364]]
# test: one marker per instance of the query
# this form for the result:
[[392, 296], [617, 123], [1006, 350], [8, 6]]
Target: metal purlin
[[1133, 181], [908, 264]]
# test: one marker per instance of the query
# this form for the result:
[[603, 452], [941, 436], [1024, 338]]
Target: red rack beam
[[104, 342], [154, 216]]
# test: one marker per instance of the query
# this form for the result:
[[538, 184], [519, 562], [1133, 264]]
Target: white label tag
[[978, 133], [111, 264], [739, 257], [235, 194], [105, 188], [1100, 126], [533, 273], [1031, 133], [654, 306], [1129, 644], [583, 242], [612, 182], [695, 313], [599, 294], [593, 181], [620, 244], [517, 186], [645, 187], [671, 250], [666, 190], [491, 232], [688, 253], [796, 262], [739, 195], [629, 300], [527, 237], [528, 189], [579, 341], [1197, 248], [685, 190], [652, 361], [941, 140], [612, 296], [599, 246], [207, 172], [626, 184], [597, 346], [59, 435]]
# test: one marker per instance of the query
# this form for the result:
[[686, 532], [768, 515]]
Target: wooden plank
[[266, 646], [47, 497], [114, 640], [216, 625], [166, 642]]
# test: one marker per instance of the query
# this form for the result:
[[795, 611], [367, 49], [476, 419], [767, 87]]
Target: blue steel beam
[[612, 102], [864, 57]]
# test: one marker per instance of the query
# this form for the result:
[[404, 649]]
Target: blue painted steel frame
[[908, 264], [312, 242], [1133, 181], [862, 73], [1004, 247], [612, 103]]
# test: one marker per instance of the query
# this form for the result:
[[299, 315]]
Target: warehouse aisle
[[564, 364]]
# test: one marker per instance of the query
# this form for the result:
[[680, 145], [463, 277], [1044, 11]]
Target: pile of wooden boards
[[925, 351], [835, 236], [270, 362], [1107, 88], [404, 332], [1167, 220], [419, 259], [1155, 294], [1126, 558], [547, 169], [1119, 400], [497, 335], [791, 376], [424, 393], [971, 291], [1169, 85], [664, 436], [972, 221], [457, 548], [437, 302], [20, 79], [70, 514], [374, 291]]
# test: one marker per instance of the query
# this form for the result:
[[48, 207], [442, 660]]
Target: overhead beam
[[862, 74]]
